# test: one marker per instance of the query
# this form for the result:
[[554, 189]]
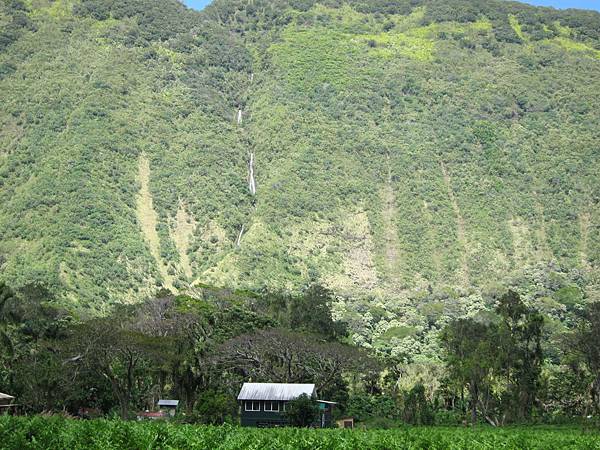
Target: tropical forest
[[397, 201]]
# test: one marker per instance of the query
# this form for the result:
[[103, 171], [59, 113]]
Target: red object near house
[[152, 415]]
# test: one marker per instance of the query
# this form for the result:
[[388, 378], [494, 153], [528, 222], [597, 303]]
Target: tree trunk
[[595, 394], [123, 402], [122, 396], [474, 400], [124, 410]]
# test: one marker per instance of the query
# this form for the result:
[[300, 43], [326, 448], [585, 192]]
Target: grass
[[59, 433], [514, 23], [571, 45], [148, 219]]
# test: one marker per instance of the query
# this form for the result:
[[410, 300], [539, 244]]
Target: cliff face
[[414, 157]]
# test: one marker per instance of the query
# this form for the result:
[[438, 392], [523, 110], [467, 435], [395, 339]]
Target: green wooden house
[[264, 404]]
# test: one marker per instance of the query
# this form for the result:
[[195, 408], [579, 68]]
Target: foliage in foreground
[[59, 433], [201, 350]]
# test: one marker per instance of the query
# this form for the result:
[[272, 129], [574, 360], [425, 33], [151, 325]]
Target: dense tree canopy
[[375, 173]]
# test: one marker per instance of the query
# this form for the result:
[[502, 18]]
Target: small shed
[[326, 413], [168, 406], [6, 399], [7, 403], [345, 422]]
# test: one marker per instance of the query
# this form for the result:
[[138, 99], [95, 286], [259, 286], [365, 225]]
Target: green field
[[58, 433]]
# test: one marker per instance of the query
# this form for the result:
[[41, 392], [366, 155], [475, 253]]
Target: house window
[[252, 405], [271, 406]]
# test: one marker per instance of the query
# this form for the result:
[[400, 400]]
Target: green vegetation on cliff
[[416, 157]]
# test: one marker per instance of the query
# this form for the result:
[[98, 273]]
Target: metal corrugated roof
[[275, 391], [168, 402], [5, 396]]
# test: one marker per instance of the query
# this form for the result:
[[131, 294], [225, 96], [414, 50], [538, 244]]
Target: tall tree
[[277, 355], [469, 354], [500, 361], [520, 352], [124, 357], [311, 312], [6, 295], [586, 342]]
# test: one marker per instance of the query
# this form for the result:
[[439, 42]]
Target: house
[[168, 406], [264, 404]]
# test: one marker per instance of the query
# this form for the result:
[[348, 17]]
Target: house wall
[[262, 418], [170, 410]]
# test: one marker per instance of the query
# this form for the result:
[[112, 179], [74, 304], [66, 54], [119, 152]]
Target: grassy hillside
[[416, 157]]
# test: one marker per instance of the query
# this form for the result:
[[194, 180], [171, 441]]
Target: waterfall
[[251, 182], [239, 239]]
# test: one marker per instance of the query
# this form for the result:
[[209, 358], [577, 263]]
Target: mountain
[[417, 157]]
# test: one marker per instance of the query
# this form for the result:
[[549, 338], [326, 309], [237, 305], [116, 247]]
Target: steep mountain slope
[[414, 156]]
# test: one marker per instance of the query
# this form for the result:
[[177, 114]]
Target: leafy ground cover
[[60, 433]]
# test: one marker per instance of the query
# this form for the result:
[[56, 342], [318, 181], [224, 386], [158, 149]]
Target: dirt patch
[[460, 226], [182, 233], [148, 219], [391, 241]]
